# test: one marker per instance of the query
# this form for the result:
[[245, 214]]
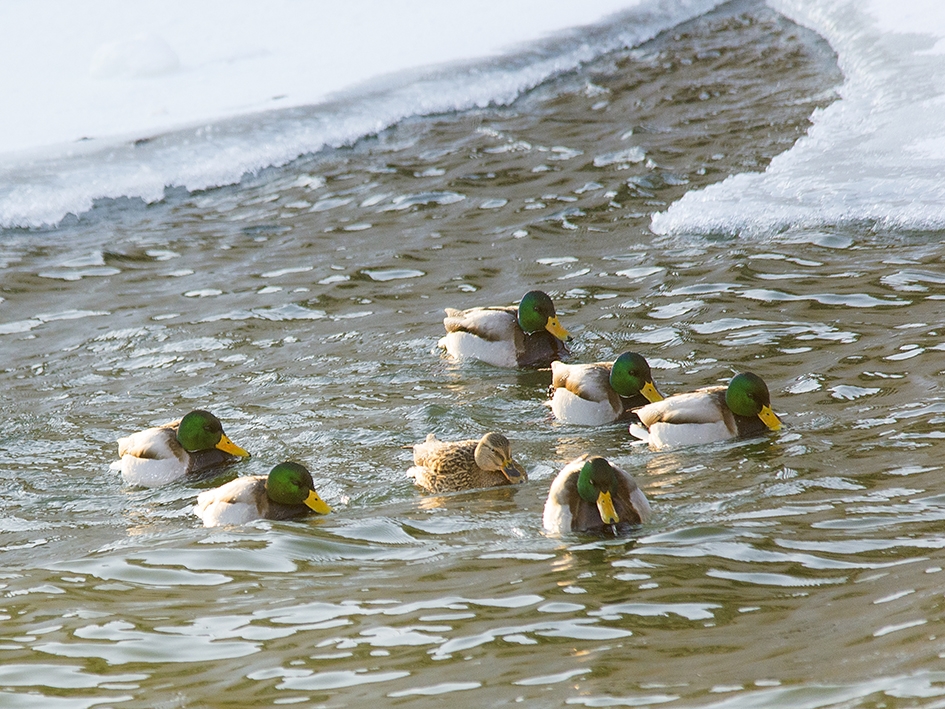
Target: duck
[[451, 466], [593, 495], [526, 336], [287, 492], [162, 454], [717, 413], [602, 392]]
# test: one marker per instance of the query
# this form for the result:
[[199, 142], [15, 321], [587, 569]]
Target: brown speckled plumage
[[449, 466]]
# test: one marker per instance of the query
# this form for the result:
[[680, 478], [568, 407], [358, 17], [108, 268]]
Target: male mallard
[[159, 455], [595, 394], [287, 492], [527, 336], [443, 466], [717, 413], [591, 494]]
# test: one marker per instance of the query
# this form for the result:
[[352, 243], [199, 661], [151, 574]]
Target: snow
[[102, 68], [204, 82], [876, 157]]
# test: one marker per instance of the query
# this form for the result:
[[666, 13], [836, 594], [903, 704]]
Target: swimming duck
[[287, 492], [599, 393], [159, 455], [591, 494], [527, 336], [717, 413], [443, 466]]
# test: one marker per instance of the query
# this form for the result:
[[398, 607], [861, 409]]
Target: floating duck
[[527, 336], [160, 455], [286, 493], [443, 466], [591, 494], [717, 413], [599, 393]]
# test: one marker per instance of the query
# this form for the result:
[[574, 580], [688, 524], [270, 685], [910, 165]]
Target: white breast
[[151, 472], [570, 408], [675, 435], [463, 345], [233, 503]]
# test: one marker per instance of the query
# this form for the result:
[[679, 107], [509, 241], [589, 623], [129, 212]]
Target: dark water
[[303, 306]]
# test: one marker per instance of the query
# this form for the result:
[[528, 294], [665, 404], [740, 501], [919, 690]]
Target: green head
[[630, 375], [200, 431], [292, 484], [747, 395], [536, 312], [597, 483]]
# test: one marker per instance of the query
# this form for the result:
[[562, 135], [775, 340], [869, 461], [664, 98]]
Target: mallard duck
[[717, 413], [287, 492], [599, 393], [444, 466], [591, 494], [527, 336], [159, 455]]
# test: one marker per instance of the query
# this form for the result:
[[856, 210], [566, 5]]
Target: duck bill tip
[[228, 446], [770, 419], [514, 473], [317, 504], [651, 393], [555, 328], [605, 506]]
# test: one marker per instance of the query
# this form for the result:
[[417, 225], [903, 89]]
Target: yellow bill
[[317, 503], [605, 505], [228, 446], [554, 327], [649, 391], [770, 418]]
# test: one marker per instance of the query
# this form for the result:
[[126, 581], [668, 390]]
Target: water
[[303, 306]]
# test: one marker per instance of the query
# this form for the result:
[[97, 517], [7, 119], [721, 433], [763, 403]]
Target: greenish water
[[303, 306]]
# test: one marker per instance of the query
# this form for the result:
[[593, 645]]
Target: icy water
[[303, 306]]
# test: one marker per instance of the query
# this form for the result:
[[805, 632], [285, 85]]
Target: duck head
[[537, 312], [200, 430], [493, 452], [597, 484], [292, 484], [747, 395], [630, 375]]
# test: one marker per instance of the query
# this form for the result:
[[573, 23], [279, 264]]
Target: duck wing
[[239, 501], [492, 324], [630, 503], [588, 381], [445, 457], [157, 443], [700, 406]]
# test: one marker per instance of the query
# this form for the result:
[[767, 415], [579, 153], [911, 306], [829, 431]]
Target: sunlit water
[[303, 306]]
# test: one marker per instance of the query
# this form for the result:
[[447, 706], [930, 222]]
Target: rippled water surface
[[303, 306]]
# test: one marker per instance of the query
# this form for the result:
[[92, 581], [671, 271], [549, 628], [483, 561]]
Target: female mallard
[[159, 455], [590, 494], [527, 336], [443, 466], [287, 492], [599, 393], [718, 413]]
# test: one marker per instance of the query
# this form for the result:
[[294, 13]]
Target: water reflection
[[305, 305]]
